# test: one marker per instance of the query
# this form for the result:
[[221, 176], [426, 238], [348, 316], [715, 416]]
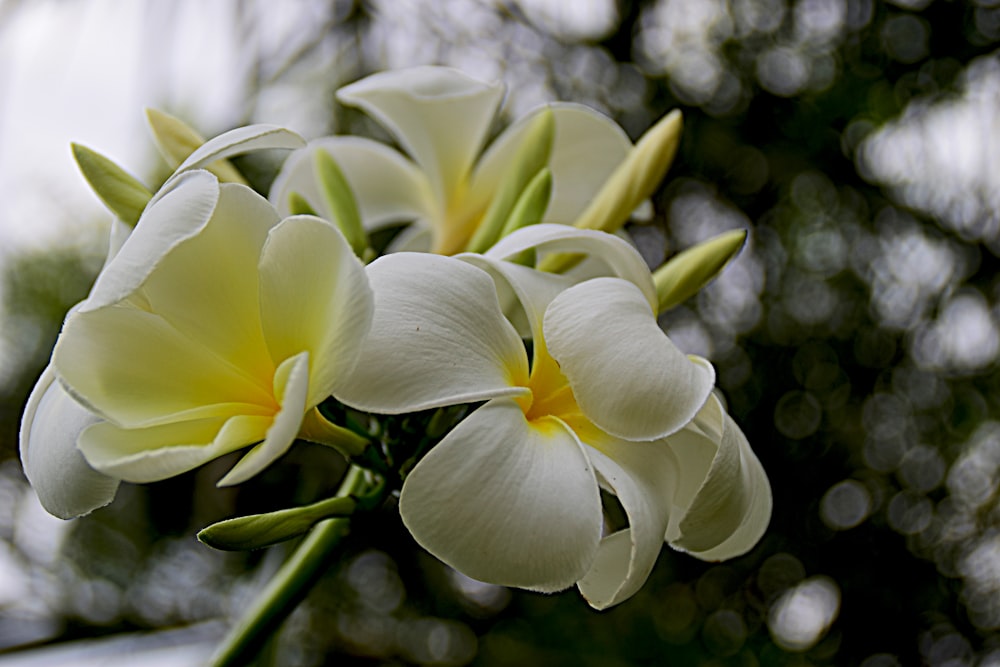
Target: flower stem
[[290, 584]]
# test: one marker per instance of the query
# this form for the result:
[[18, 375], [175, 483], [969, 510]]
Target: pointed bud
[[636, 178], [689, 271], [531, 205], [340, 198], [119, 190], [176, 140], [261, 530], [299, 205], [532, 156]]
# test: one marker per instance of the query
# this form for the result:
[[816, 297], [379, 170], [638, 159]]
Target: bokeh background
[[856, 338]]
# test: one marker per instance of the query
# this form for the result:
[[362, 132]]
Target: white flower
[[216, 326], [441, 118], [511, 496]]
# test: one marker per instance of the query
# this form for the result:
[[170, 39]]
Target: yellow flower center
[[551, 396]]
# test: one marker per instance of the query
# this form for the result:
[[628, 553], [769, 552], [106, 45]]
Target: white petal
[[438, 338], [586, 148], [729, 507], [180, 212], [66, 486], [291, 386], [626, 375], [524, 292], [619, 258], [506, 502], [314, 296], [117, 236], [386, 186], [439, 115], [238, 141], [637, 472]]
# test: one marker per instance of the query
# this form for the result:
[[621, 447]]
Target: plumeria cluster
[[225, 320]]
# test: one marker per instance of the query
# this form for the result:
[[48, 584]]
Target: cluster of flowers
[[224, 320]]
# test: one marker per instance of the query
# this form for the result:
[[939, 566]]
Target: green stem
[[290, 584]]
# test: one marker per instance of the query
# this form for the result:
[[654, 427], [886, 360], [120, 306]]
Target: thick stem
[[290, 584]]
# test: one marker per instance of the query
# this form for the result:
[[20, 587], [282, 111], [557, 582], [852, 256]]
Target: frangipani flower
[[445, 182], [511, 496], [216, 326]]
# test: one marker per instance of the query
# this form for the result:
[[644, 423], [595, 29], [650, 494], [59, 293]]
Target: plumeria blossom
[[511, 495], [217, 325], [445, 182]]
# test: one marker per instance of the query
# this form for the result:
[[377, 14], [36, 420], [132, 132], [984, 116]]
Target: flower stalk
[[291, 583]]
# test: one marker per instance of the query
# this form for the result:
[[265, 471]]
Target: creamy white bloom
[[445, 182], [512, 495], [217, 325]]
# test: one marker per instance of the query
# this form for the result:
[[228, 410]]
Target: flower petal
[[386, 186], [438, 338], [135, 369], [637, 473], [439, 115], [724, 506], [179, 212], [507, 502], [585, 151], [291, 387], [238, 141], [524, 292], [626, 375], [151, 454], [206, 286], [619, 258], [65, 484], [314, 296]]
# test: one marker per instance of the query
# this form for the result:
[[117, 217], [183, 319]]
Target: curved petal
[[724, 506], [180, 212], [627, 376], [314, 296], [133, 368], [206, 286], [151, 454], [439, 115], [524, 292], [637, 473], [237, 142], [65, 484], [291, 386], [619, 258], [507, 502], [386, 186], [586, 148], [438, 338]]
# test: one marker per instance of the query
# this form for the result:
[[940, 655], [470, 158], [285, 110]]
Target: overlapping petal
[[616, 255], [387, 186], [637, 473], [65, 484], [723, 502], [439, 115], [586, 148], [314, 296], [626, 375], [428, 347], [505, 501]]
